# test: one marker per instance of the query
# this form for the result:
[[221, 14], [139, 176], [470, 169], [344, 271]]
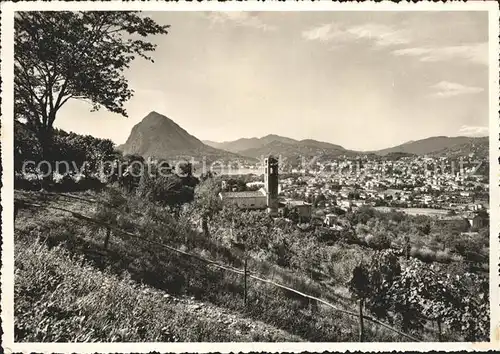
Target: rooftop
[[296, 203], [247, 194]]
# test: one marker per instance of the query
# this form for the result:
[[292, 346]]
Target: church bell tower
[[271, 184]]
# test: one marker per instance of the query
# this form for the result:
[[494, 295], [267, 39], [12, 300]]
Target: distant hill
[[244, 144], [307, 148], [157, 136], [294, 149], [288, 148], [479, 147], [213, 144], [441, 145]]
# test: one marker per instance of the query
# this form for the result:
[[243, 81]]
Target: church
[[264, 199], [267, 197]]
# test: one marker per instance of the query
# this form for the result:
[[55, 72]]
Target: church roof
[[247, 194]]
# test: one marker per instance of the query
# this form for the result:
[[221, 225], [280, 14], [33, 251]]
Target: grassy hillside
[[61, 297], [76, 250], [163, 249]]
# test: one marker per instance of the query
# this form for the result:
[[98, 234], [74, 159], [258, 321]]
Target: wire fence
[[242, 272]]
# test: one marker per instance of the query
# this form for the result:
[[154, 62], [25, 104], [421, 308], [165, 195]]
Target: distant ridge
[[249, 143], [287, 147], [435, 145], [282, 146]]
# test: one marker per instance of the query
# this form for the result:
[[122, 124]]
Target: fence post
[[106, 239], [361, 323], [245, 284], [407, 247]]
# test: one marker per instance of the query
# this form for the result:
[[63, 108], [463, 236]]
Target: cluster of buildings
[[268, 196], [407, 182], [431, 186]]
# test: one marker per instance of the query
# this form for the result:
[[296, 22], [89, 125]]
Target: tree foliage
[[26, 146], [84, 152], [412, 294], [75, 55], [168, 190], [207, 200]]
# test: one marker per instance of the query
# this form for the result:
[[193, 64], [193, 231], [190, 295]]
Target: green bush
[[443, 256], [167, 190], [380, 241], [426, 255]]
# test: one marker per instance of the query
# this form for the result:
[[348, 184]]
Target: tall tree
[[75, 55], [207, 201]]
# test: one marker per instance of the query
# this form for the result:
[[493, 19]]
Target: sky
[[364, 80]]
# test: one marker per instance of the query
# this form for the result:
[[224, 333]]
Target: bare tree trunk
[[45, 138]]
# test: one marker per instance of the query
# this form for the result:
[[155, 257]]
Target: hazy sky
[[364, 80]]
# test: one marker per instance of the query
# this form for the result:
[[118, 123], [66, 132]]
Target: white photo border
[[7, 192]]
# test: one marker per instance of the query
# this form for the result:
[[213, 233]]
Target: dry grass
[[61, 298]]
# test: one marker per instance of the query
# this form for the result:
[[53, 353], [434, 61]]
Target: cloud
[[471, 130], [446, 89], [382, 35], [240, 18], [475, 53], [379, 34], [400, 39], [323, 33]]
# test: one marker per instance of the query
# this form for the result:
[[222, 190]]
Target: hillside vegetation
[[293, 316], [170, 234], [276, 251]]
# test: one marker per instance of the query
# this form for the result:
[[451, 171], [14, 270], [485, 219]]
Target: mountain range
[[160, 137], [439, 145]]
